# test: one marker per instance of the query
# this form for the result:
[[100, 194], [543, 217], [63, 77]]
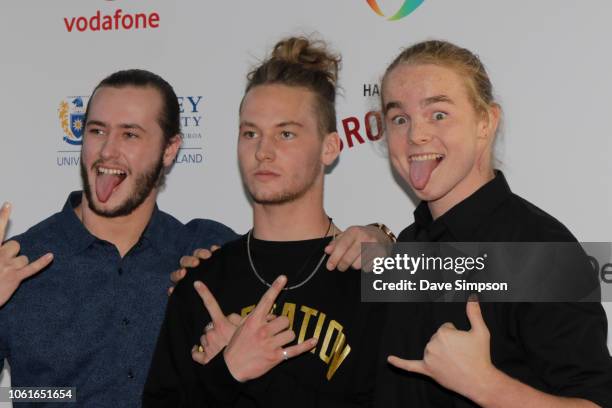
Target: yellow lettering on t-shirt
[[331, 328], [289, 311], [318, 329], [308, 312], [339, 353]]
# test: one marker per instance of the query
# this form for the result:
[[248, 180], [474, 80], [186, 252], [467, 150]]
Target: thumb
[[415, 366], [474, 314], [235, 319]]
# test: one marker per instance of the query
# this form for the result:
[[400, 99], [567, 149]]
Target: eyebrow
[[392, 105], [132, 126], [95, 123], [281, 124], [435, 99], [122, 126], [425, 102], [290, 123]]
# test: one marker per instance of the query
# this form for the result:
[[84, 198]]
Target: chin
[[267, 198], [424, 195], [109, 207], [431, 192]]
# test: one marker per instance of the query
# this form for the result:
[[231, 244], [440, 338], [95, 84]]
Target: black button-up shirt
[[558, 348], [91, 319]]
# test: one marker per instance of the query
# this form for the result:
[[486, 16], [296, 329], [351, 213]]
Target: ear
[[489, 123], [172, 149], [331, 148]]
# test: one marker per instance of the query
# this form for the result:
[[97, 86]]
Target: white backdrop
[[547, 60]]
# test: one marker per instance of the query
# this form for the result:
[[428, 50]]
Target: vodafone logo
[[118, 20]]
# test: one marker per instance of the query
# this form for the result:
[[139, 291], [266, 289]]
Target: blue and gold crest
[[72, 116]]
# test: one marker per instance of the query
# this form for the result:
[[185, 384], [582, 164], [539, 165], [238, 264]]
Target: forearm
[[502, 391], [219, 386]]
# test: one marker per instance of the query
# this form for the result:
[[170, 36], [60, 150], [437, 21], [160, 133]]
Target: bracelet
[[385, 230]]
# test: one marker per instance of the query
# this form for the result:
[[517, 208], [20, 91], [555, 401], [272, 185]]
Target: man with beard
[[90, 320]]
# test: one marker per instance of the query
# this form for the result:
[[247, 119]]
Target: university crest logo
[[72, 115]]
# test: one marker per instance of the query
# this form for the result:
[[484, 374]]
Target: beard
[[288, 194], [144, 184]]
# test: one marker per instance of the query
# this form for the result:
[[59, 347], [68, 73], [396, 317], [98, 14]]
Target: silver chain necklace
[[262, 280]]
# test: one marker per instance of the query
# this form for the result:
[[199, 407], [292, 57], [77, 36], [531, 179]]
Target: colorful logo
[[72, 115], [408, 7]]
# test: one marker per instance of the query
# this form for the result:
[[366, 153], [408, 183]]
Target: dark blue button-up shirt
[[91, 319]]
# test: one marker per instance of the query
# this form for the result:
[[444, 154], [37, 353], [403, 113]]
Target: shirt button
[[130, 375], [125, 321]]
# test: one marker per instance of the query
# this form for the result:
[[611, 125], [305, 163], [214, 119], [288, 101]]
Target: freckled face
[[436, 138]]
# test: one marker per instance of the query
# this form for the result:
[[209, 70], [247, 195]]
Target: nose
[[265, 149], [110, 147], [418, 133]]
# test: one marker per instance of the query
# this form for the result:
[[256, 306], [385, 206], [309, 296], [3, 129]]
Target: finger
[[204, 340], [189, 261], [170, 290], [267, 300], [202, 253], [330, 247], [277, 325], [342, 245], [351, 258], [447, 326], [235, 319], [198, 356], [36, 266], [283, 338], [20, 262], [474, 314], [298, 349], [210, 303], [5, 213], [177, 275], [214, 248], [10, 249], [415, 366]]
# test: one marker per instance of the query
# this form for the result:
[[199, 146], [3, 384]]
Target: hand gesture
[[218, 332], [257, 345], [13, 268], [456, 359]]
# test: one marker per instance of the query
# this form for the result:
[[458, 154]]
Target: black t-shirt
[[340, 371], [558, 348]]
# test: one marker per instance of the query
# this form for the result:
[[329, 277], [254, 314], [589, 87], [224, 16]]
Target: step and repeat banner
[[547, 60]]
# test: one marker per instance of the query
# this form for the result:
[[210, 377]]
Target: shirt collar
[[156, 232], [77, 235], [80, 238], [466, 217]]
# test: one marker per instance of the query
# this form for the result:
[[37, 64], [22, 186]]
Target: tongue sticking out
[[420, 171], [105, 183]]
